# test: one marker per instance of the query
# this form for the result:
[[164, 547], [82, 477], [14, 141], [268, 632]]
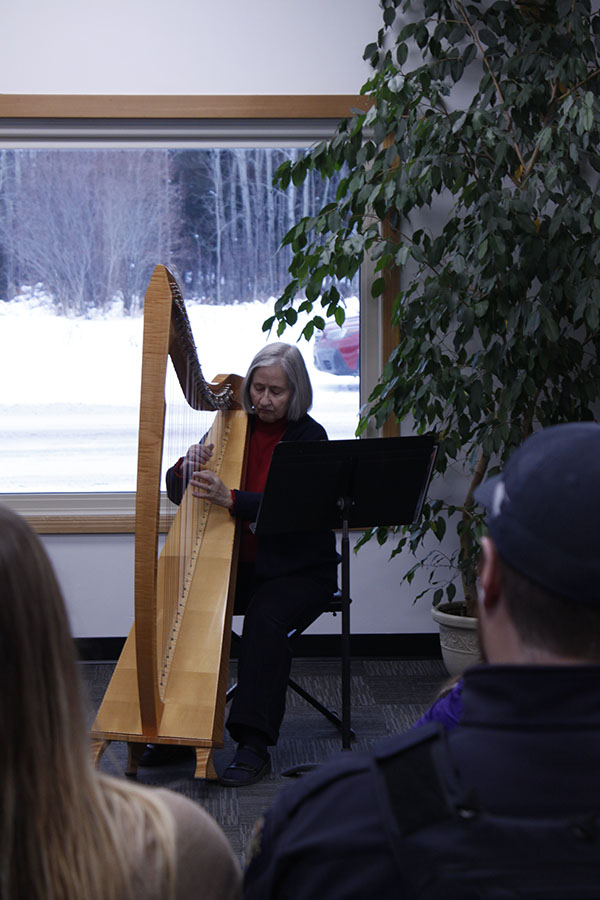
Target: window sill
[[72, 513]]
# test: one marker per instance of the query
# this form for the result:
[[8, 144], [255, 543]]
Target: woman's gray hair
[[290, 359]]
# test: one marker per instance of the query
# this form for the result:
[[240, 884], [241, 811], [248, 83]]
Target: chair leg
[[343, 722], [298, 689], [328, 713]]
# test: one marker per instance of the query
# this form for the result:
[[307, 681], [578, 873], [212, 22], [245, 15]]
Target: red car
[[337, 349]]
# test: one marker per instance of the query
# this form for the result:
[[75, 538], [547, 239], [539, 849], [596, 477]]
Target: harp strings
[[184, 426], [193, 414]]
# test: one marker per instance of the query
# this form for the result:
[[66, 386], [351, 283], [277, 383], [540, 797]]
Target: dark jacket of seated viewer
[[506, 800]]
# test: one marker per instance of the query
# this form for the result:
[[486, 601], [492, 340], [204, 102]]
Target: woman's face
[[270, 393]]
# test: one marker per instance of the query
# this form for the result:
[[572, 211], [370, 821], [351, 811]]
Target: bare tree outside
[[81, 231], [87, 224]]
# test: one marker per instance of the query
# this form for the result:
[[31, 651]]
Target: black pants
[[271, 609]]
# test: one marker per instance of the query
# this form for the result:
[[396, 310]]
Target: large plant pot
[[458, 637]]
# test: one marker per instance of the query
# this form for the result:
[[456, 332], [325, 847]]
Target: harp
[[169, 684]]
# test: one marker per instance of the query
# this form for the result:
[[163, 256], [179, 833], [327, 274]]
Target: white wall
[[96, 575], [95, 572], [199, 47], [186, 46]]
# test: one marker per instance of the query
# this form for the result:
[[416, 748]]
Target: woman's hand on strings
[[197, 455], [206, 485]]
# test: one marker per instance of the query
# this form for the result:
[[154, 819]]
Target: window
[[87, 207]]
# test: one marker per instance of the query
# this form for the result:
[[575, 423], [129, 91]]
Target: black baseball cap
[[543, 510]]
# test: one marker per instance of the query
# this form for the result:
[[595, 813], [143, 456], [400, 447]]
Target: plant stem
[[476, 40]]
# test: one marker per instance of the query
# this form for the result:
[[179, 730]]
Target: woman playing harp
[[284, 581]]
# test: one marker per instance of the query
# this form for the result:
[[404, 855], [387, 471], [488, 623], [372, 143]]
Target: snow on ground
[[69, 395]]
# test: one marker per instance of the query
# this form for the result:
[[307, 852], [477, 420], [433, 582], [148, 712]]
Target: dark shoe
[[162, 754], [247, 767]]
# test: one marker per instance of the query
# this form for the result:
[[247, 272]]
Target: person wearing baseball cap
[[543, 519], [505, 803]]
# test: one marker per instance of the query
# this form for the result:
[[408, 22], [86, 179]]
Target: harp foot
[[98, 746], [204, 764], [135, 750]]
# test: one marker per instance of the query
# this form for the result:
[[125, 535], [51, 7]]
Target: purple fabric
[[447, 710]]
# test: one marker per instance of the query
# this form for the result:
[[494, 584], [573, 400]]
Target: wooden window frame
[[178, 106]]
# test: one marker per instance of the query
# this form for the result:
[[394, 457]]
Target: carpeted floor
[[387, 697]]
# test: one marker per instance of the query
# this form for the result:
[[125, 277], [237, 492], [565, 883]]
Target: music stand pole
[[344, 505]]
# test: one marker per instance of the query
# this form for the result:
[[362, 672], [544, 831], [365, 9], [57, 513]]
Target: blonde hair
[[68, 832]]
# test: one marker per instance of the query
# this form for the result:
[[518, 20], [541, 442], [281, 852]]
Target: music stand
[[318, 485]]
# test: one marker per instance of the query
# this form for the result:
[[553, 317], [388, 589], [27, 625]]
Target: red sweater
[[265, 436]]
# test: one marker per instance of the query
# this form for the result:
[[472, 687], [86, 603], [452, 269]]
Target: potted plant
[[471, 182]]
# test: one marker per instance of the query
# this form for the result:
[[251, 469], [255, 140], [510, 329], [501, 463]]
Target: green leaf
[[401, 54], [550, 328], [402, 255], [389, 15], [378, 287], [456, 34], [488, 37], [469, 54], [421, 35], [592, 317]]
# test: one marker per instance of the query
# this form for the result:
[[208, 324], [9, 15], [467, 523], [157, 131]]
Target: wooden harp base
[[205, 768]]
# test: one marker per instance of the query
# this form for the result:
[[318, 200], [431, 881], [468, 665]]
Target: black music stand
[[315, 485]]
